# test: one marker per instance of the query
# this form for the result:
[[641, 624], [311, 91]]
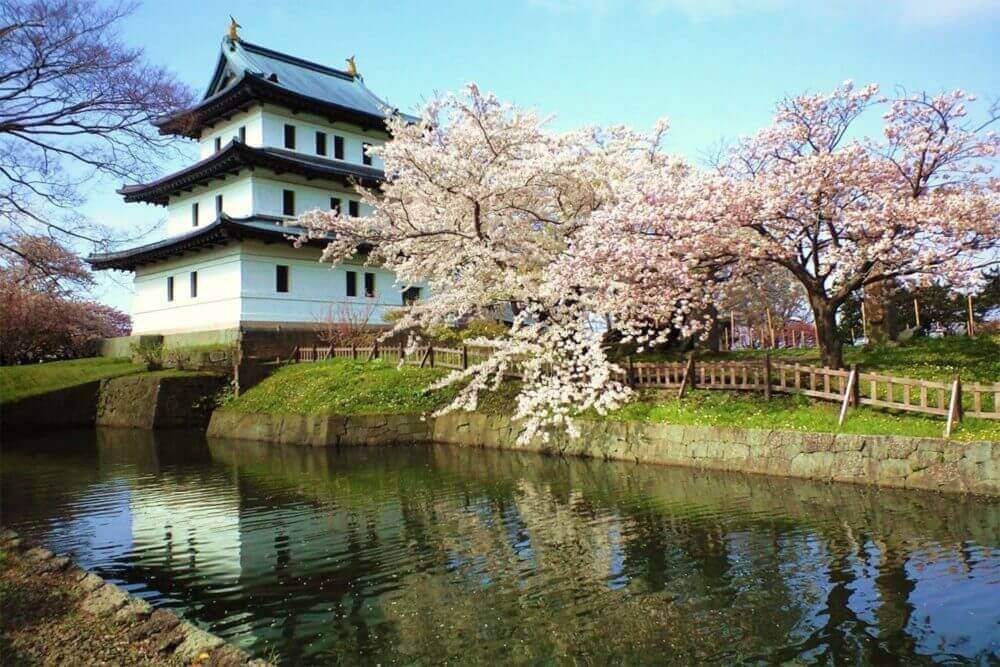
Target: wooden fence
[[852, 387]]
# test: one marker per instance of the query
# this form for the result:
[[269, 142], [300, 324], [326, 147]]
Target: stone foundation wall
[[62, 408], [892, 461], [151, 401]]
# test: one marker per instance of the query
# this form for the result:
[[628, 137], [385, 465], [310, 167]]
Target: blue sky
[[714, 67]]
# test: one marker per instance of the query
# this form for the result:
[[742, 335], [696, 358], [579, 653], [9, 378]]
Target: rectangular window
[[288, 202], [243, 134], [321, 143], [338, 147], [369, 285], [352, 283], [353, 209], [218, 204], [194, 214], [194, 284], [218, 144], [365, 157], [335, 204], [411, 295], [281, 278], [290, 136], [170, 288]]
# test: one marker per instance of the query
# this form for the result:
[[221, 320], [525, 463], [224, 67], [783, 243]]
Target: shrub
[[148, 353]]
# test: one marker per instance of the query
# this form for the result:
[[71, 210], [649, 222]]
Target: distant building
[[278, 136]]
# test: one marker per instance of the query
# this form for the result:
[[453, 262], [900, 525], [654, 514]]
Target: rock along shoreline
[[161, 634]]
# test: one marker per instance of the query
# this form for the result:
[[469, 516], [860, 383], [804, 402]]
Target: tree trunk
[[830, 346], [879, 312], [714, 340]]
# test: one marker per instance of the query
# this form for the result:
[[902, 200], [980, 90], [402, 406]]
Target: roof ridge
[[294, 60]]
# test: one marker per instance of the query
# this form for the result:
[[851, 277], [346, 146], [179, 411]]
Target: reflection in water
[[435, 554]]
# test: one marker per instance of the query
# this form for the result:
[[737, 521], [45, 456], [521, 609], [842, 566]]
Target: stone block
[[892, 470], [196, 643], [90, 582], [56, 564], [38, 554], [105, 600], [159, 622], [134, 610]]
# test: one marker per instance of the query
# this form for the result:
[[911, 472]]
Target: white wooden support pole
[[852, 379], [954, 405]]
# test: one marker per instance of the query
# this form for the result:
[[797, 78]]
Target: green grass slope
[[345, 387], [17, 382]]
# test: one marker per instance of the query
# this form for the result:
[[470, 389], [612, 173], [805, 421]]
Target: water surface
[[420, 555]]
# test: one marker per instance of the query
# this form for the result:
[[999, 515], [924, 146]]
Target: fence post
[[856, 394], [688, 377], [849, 394], [767, 377], [354, 351], [430, 351], [465, 357], [402, 351], [630, 372], [954, 406]]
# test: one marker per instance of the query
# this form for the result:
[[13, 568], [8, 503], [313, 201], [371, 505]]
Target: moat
[[427, 554]]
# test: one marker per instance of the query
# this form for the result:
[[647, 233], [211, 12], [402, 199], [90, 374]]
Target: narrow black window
[[281, 278], [194, 284], [170, 288], [218, 144], [288, 202], [194, 214], [321, 143], [369, 284], [243, 134], [338, 147], [218, 204], [290, 136], [353, 209], [411, 295], [365, 157], [335, 204], [352, 283]]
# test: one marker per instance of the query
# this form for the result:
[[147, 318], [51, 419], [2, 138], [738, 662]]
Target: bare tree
[[75, 103], [345, 324]]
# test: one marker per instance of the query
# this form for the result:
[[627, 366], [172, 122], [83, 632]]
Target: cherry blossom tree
[[44, 313], [842, 212], [493, 213]]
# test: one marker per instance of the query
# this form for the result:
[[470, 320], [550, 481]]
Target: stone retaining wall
[[152, 401], [170, 635], [62, 408], [893, 461]]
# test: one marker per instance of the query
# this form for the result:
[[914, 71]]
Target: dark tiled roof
[[236, 156], [218, 233], [247, 73]]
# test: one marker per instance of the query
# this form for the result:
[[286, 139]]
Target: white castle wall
[[237, 284], [217, 305]]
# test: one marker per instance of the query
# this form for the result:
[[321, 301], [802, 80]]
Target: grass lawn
[[792, 413], [343, 386], [17, 382], [975, 359]]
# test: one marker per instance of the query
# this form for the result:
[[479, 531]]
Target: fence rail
[[951, 399]]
